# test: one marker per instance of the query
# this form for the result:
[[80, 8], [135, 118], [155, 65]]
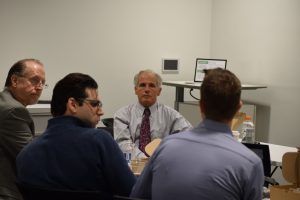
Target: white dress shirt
[[164, 121]]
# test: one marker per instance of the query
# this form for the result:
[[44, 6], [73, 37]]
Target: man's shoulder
[[128, 107], [7, 100], [166, 108], [126, 110], [242, 152], [102, 130], [98, 132], [10, 107]]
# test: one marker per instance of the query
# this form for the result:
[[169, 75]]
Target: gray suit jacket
[[16, 130]]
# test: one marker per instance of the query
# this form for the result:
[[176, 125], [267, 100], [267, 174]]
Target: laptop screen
[[203, 63]]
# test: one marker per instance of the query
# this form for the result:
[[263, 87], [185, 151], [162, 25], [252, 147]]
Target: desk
[[137, 165], [180, 85], [276, 153], [40, 114]]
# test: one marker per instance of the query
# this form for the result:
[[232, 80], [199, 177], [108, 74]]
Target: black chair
[[108, 122], [263, 152], [117, 197], [35, 193]]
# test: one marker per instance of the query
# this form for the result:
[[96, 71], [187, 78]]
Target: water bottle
[[128, 154], [248, 130]]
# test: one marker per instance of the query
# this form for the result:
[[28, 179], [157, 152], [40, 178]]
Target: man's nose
[[100, 112]]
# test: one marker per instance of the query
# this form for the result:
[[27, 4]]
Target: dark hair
[[18, 69], [72, 85], [220, 94]]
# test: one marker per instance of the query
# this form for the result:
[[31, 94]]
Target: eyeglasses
[[36, 82], [93, 102]]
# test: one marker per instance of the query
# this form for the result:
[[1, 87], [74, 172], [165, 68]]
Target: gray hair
[[147, 71]]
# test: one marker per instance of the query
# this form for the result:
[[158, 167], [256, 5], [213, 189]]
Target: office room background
[[113, 39]]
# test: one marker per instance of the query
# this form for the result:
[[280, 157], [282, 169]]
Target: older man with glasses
[[24, 84], [72, 155]]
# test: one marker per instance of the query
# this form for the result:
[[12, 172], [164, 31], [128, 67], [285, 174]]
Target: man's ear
[[71, 106], [202, 108], [159, 91], [240, 105], [13, 80], [135, 90]]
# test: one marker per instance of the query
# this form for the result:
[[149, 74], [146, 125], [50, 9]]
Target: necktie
[[145, 136]]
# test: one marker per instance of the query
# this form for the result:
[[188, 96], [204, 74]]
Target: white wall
[[261, 40], [113, 39], [108, 39]]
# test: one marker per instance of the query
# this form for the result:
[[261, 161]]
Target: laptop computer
[[205, 63]]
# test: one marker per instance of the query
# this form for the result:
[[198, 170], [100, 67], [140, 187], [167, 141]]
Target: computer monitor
[[263, 152], [203, 63]]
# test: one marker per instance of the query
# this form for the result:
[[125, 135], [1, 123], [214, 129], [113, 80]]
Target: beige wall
[[261, 41], [108, 39], [113, 39]]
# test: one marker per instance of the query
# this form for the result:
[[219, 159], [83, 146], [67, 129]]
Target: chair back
[[117, 197], [34, 193], [108, 122]]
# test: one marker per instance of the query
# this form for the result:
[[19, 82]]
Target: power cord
[[193, 95]]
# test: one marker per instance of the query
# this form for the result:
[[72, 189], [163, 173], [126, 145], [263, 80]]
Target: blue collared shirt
[[203, 163]]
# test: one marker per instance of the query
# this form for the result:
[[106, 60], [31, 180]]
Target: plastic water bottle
[[128, 154], [248, 130]]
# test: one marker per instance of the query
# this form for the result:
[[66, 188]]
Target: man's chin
[[147, 103], [33, 102]]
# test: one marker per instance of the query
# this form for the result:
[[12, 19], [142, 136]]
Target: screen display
[[170, 64], [202, 63]]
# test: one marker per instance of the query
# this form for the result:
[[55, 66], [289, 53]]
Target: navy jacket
[[71, 156]]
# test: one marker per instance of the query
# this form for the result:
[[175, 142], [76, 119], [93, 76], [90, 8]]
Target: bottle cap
[[248, 117]]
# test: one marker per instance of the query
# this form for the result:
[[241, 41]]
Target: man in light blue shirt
[[164, 120], [205, 162]]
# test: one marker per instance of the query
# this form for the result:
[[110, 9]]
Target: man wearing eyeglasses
[[24, 84], [72, 154]]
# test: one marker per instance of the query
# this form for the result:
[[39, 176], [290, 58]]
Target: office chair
[[35, 193], [108, 122], [117, 197], [263, 152]]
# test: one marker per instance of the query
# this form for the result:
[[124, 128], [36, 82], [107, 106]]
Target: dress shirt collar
[[215, 126], [152, 108]]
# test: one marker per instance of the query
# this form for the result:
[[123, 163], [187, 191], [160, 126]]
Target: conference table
[[181, 85], [276, 153]]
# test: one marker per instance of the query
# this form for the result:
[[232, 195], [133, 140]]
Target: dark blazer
[[16, 130]]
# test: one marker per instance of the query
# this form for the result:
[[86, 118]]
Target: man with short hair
[[72, 154], [205, 162], [24, 84], [163, 120]]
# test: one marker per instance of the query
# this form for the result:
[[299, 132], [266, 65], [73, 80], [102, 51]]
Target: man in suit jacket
[[24, 84]]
